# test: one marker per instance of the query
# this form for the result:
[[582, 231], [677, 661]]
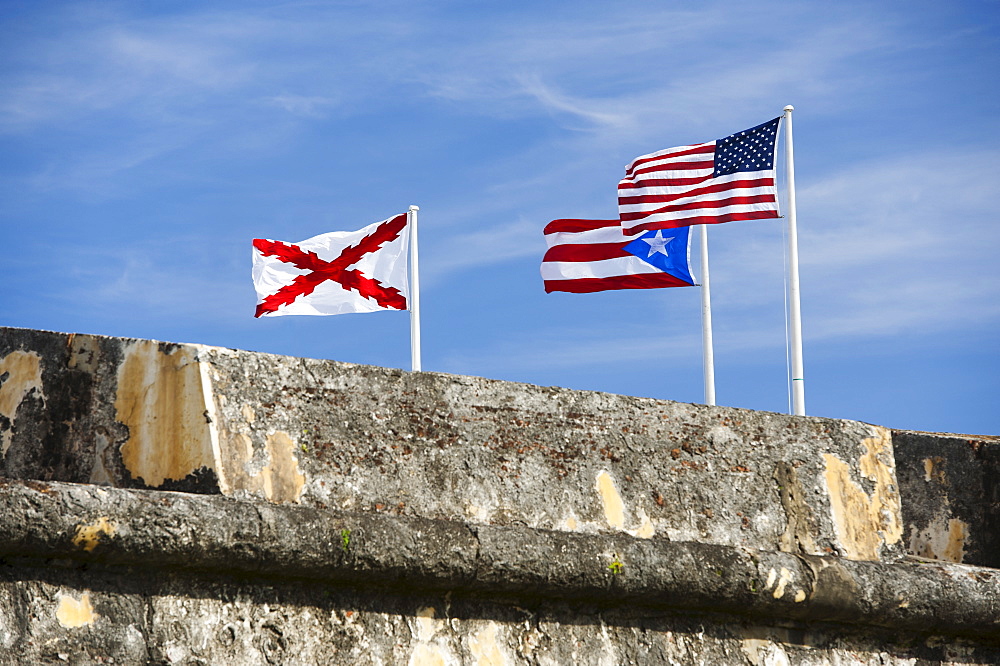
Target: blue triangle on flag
[[666, 249]]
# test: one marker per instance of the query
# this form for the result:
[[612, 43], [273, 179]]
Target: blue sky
[[145, 144]]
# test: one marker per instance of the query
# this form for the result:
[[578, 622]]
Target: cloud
[[163, 279], [892, 246], [305, 106], [484, 247], [899, 247], [561, 103]]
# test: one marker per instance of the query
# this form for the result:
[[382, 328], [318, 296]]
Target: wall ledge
[[177, 532]]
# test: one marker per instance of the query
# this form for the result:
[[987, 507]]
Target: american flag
[[593, 255], [724, 180]]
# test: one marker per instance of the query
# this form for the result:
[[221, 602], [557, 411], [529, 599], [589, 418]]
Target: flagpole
[[795, 310], [414, 292], [708, 354]]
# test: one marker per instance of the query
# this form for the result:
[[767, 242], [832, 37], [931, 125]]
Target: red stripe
[[672, 166], [590, 285], [700, 204], [703, 219], [700, 149], [708, 189], [576, 226], [586, 252], [662, 182]]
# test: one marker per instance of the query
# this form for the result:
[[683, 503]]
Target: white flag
[[334, 273]]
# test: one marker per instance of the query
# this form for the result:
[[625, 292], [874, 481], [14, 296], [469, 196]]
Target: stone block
[[950, 488], [146, 414]]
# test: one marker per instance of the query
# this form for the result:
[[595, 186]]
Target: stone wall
[[174, 503], [951, 490]]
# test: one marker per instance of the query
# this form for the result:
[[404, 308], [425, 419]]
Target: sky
[[144, 145]]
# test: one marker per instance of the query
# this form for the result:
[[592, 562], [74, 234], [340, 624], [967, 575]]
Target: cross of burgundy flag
[[725, 180], [334, 273]]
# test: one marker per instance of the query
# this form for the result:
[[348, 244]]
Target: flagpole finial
[[412, 207], [789, 108]]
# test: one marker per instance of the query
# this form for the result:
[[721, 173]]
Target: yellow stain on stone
[[279, 481], [646, 529], [614, 508], [88, 536], [84, 353], [162, 400], [865, 522], [73, 613], [426, 624], [958, 532], [571, 524], [426, 653], [934, 469], [429, 655], [485, 649], [800, 596], [24, 373], [477, 512], [941, 540], [783, 581], [282, 480], [771, 575], [755, 650]]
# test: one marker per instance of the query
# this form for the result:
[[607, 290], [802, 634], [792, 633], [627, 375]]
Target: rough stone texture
[[170, 503], [136, 413], [178, 578], [950, 485], [166, 619]]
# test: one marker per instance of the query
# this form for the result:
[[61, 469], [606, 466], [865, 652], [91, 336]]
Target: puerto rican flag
[[585, 256], [725, 180], [334, 273]]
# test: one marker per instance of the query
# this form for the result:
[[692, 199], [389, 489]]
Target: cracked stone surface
[[142, 414], [181, 504]]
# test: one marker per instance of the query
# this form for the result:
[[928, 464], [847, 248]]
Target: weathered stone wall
[[950, 485], [171, 577], [335, 513], [136, 413], [59, 616]]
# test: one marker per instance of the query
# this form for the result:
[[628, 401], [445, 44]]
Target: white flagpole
[[414, 292], [795, 311], [708, 355]]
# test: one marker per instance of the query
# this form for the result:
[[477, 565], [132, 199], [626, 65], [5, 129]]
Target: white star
[[658, 244]]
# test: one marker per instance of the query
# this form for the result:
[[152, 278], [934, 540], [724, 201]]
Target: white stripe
[[697, 198], [677, 159], [665, 174], [666, 153], [574, 270], [633, 187], [706, 212], [602, 235]]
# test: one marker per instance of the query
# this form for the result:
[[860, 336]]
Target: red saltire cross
[[336, 270]]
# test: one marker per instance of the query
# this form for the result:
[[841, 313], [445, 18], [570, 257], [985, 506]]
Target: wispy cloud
[[889, 248], [306, 106], [483, 248], [160, 279]]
